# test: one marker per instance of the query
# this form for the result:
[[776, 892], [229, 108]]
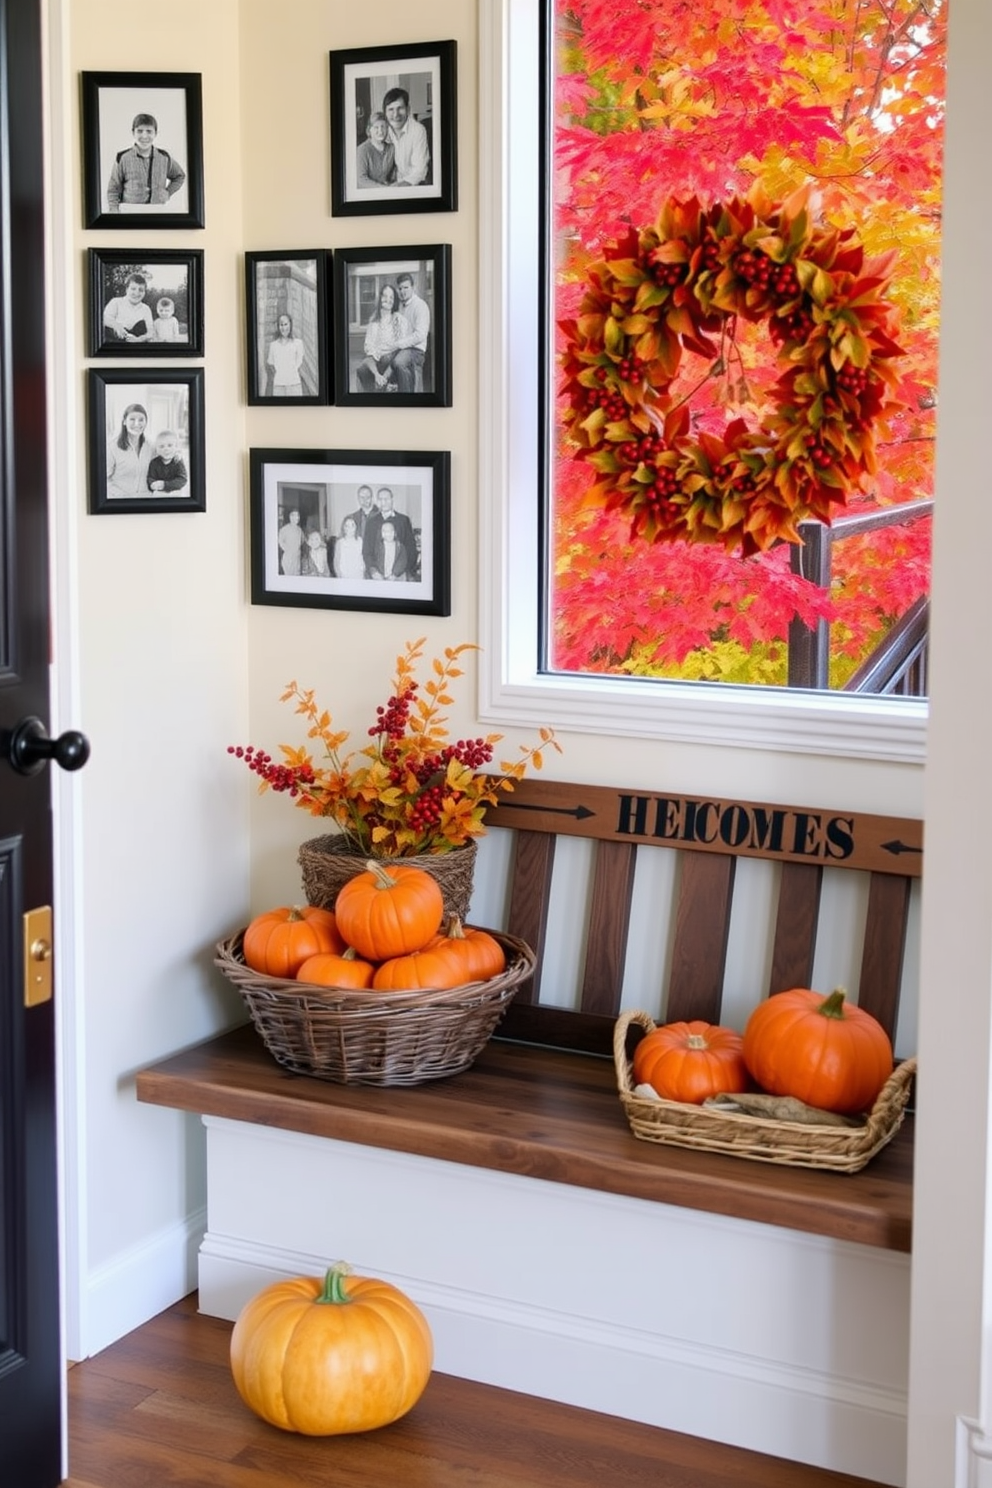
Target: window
[[515, 689]]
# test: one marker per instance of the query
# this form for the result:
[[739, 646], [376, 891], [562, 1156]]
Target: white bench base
[[786, 1343]]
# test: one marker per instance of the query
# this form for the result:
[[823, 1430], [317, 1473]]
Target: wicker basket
[[356, 1037], [327, 866], [844, 1149]]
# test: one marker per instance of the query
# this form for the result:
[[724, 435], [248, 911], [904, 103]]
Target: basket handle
[[620, 1060]]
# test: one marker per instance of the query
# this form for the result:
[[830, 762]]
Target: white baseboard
[[767, 1339], [140, 1283]]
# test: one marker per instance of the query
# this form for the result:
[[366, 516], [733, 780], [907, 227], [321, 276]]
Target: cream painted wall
[[151, 623]]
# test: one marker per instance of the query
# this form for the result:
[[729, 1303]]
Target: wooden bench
[[665, 899]]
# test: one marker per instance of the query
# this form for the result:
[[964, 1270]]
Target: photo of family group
[[349, 531], [146, 303], [146, 442], [392, 127], [393, 321]]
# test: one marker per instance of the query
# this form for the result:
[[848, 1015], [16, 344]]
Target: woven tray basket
[[356, 1037], [327, 866], [844, 1149]]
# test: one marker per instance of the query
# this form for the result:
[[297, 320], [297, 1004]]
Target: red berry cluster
[[779, 280], [642, 451], [629, 368], [291, 778], [391, 719], [610, 400], [710, 258], [798, 325], [852, 379], [820, 454], [424, 812], [665, 274]]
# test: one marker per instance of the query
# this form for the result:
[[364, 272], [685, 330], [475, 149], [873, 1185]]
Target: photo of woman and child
[[141, 463]]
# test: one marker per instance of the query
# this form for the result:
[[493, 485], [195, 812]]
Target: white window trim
[[512, 691]]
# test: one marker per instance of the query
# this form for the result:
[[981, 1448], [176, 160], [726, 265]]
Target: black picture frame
[[361, 80], [174, 278], [420, 278], [324, 488], [172, 401], [112, 103], [287, 283]]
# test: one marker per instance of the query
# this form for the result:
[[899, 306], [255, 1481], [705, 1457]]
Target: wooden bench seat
[[541, 1113]]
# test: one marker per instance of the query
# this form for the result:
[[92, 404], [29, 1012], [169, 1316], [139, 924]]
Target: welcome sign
[[840, 839]]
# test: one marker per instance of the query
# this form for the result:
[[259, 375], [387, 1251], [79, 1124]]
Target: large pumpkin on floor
[[691, 1061], [328, 1356], [822, 1050]]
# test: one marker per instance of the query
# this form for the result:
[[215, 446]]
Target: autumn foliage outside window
[[655, 98]]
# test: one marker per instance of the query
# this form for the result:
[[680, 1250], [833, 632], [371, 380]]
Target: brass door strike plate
[[38, 956]]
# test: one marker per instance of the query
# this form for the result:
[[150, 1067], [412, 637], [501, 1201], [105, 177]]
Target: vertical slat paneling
[[702, 925], [795, 926], [530, 893], [885, 940], [609, 919]]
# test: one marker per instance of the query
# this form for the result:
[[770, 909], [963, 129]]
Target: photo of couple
[[394, 348], [392, 317]]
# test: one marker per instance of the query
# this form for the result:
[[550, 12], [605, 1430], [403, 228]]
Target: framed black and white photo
[[142, 149], [146, 446], [392, 326], [287, 326], [146, 303], [351, 530], [393, 129]]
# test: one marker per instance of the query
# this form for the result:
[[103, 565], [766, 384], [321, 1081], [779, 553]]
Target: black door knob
[[28, 747]]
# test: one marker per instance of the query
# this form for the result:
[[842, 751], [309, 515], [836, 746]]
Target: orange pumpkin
[[328, 969], [389, 910], [278, 942], [324, 1357], [429, 969], [478, 954], [691, 1061], [821, 1050]]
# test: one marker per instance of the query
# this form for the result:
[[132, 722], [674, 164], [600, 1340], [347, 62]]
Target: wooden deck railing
[[899, 664]]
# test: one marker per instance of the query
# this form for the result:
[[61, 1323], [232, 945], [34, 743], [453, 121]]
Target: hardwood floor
[[158, 1409]]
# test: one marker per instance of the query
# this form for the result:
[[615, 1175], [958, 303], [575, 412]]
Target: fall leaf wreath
[[682, 286]]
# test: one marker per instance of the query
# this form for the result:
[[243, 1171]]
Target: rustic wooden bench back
[[710, 837]]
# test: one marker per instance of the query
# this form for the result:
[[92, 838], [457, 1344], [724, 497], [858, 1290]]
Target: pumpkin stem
[[333, 1289], [456, 930], [384, 879], [833, 1006], [696, 1041]]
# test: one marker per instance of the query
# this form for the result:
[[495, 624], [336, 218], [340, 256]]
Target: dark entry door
[[30, 1344]]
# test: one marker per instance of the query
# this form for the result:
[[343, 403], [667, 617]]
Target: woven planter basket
[[357, 1037], [327, 867], [844, 1149]]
